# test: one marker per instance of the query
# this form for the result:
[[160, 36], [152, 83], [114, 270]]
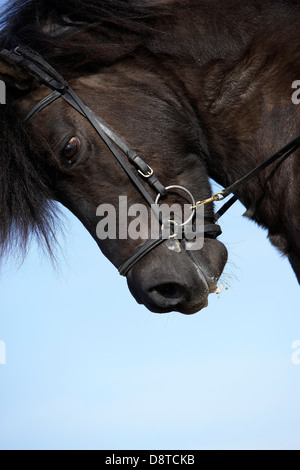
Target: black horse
[[198, 89]]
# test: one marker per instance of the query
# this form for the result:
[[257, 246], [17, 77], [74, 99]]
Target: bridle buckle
[[148, 174]]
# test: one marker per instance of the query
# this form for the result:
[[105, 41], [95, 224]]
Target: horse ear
[[14, 75]]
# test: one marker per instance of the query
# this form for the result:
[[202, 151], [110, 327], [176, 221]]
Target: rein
[[283, 153]]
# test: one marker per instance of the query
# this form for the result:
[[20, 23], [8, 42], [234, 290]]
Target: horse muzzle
[[173, 279]]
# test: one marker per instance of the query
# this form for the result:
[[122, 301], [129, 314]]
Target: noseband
[[37, 66]]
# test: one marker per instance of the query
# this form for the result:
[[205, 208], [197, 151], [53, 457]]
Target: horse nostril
[[168, 292]]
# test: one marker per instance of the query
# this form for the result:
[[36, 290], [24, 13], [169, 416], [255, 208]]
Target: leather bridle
[[37, 66]]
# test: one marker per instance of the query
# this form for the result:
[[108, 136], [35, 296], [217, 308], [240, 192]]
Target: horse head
[[78, 170]]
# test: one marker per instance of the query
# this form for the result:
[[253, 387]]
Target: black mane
[[75, 34], [26, 202]]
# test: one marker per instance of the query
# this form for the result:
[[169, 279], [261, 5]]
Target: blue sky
[[88, 368]]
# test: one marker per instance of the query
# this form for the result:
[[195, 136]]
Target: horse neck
[[237, 68], [237, 71]]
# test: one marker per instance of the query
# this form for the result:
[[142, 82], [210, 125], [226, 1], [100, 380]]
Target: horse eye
[[71, 149]]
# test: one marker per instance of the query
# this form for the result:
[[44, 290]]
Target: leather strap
[[212, 230], [225, 207], [43, 104], [283, 153], [139, 254]]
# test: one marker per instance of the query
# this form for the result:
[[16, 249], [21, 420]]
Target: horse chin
[[177, 280]]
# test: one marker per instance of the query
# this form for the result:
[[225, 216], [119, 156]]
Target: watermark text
[[296, 94], [2, 92], [2, 353], [141, 222], [296, 353]]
